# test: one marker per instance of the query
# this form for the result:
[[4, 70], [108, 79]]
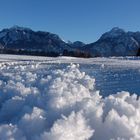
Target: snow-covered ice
[[60, 99]]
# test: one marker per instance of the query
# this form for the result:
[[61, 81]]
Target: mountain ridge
[[23, 40]]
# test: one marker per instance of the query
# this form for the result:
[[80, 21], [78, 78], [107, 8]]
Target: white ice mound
[[72, 128], [69, 87], [38, 103]]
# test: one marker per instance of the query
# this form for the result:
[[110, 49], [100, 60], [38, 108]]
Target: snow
[[73, 127], [50, 99], [2, 34], [115, 32]]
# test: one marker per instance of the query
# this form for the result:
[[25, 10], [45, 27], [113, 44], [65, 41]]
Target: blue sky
[[73, 20]]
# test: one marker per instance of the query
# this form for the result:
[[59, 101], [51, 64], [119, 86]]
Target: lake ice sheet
[[50, 99]]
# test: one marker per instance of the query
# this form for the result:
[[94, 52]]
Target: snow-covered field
[[69, 98]]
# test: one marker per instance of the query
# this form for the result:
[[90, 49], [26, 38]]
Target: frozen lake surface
[[112, 74], [66, 98]]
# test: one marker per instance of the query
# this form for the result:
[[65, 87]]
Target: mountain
[[116, 42], [26, 40], [76, 44]]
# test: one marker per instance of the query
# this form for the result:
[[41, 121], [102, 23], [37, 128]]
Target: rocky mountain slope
[[116, 42], [26, 40]]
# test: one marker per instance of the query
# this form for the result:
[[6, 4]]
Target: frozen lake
[[110, 80], [65, 98], [112, 74]]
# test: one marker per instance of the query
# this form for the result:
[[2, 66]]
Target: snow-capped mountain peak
[[16, 27], [115, 42], [21, 38], [113, 33]]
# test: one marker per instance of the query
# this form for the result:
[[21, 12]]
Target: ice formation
[[38, 103]]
